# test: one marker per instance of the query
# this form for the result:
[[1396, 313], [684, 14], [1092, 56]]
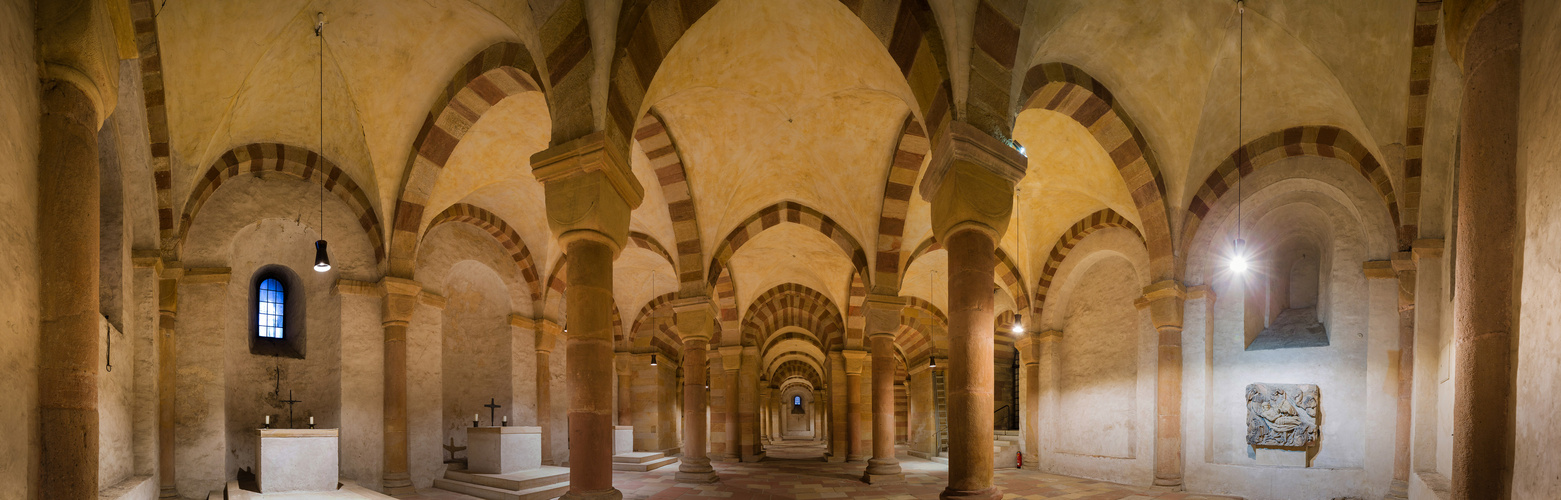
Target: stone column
[[731, 361], [590, 192], [1165, 300], [69, 317], [748, 405], [883, 319], [839, 436], [1404, 268], [970, 183], [766, 411], [1487, 214], [924, 416], [856, 436], [548, 333], [821, 419], [625, 363], [400, 297], [1029, 347], [696, 324], [167, 372]]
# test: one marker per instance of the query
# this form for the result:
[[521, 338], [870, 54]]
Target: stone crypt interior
[[599, 249]]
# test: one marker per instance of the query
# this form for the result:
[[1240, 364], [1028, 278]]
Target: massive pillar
[[400, 302], [590, 192], [68, 255], [167, 318], [547, 336], [1491, 32], [731, 362], [856, 436], [970, 183], [883, 319], [748, 405], [625, 364], [1165, 300], [696, 324], [1030, 398], [1404, 268]]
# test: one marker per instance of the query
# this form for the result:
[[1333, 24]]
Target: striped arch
[[1069, 90], [797, 369], [1070, 238], [641, 240], [992, 62], [553, 295], [1320, 141], [143, 13], [726, 309], [667, 161], [253, 159], [566, 41], [792, 304], [1007, 273], [923, 330], [498, 72], [897, 190], [776, 338], [856, 314], [654, 327], [647, 31], [909, 32], [1421, 61], [501, 232], [792, 212]]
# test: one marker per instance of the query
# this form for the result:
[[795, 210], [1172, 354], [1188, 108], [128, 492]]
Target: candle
[[268, 420], [506, 419], [311, 420], [476, 417]]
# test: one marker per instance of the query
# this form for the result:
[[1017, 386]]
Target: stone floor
[[793, 471]]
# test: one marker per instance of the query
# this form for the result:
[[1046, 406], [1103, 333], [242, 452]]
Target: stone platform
[[348, 490], [536, 484]]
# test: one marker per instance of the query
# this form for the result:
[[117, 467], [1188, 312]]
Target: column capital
[[1460, 18], [970, 182], [547, 334], [400, 299], [520, 321], [81, 43], [882, 312], [624, 362], [1378, 269], [695, 317], [731, 357], [1403, 261], [1202, 292], [1165, 300], [1030, 344], [589, 190], [855, 359]]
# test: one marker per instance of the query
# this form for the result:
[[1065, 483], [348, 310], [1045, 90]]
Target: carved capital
[[695, 318], [731, 357], [79, 43], [520, 321], [1029, 347], [855, 361], [547, 334], [1165, 300], [883, 313], [1378, 269], [970, 181], [590, 190], [1428, 249], [400, 299]]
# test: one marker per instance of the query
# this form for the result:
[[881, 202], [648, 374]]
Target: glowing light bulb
[[1238, 263]]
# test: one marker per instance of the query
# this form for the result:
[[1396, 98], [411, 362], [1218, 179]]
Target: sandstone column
[[696, 324], [1487, 215], [856, 436], [766, 410], [883, 319], [167, 370], [590, 192], [625, 362], [69, 319], [400, 297], [970, 183], [731, 362], [924, 417], [548, 333], [1165, 300], [748, 405], [1404, 267], [1030, 397]]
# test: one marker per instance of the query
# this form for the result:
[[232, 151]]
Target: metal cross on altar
[[492, 407], [290, 402]]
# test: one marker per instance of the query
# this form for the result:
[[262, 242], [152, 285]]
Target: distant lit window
[[272, 301], [796, 400]]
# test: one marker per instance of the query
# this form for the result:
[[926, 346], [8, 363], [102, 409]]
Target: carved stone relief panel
[[1282, 415]]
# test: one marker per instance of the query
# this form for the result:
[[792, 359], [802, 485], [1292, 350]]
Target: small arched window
[[272, 309], [276, 313], [796, 400]]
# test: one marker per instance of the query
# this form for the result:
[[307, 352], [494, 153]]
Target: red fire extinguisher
[[1019, 457]]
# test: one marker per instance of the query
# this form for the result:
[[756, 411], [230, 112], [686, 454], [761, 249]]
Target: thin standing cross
[[290, 402], [492, 407]]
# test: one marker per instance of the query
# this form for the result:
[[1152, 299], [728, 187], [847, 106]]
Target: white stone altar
[[503, 450], [622, 439], [297, 460]]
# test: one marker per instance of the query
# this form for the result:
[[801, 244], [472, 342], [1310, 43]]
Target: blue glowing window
[[796, 400], [272, 298]]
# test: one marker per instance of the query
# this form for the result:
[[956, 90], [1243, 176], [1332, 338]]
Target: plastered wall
[[19, 232]]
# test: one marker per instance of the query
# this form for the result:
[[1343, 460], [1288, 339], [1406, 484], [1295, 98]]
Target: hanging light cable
[[322, 259], [1238, 258]]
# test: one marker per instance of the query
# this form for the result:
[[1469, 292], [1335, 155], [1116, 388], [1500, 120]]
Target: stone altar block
[[502, 450], [622, 439], [296, 460]]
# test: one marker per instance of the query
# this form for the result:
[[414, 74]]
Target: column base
[[834, 459], [695, 470], [871, 478], [986, 494], [883, 467], [168, 492], [1167, 484], [857, 459], [398, 485], [1397, 490], [607, 494]]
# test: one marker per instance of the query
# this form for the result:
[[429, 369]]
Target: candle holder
[[506, 422], [474, 423], [311, 425]]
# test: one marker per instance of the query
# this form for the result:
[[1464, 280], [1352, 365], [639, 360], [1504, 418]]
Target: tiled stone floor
[[793, 471]]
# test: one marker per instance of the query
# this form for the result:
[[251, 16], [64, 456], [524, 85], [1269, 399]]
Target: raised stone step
[[644, 466], [635, 457], [491, 493], [515, 481]]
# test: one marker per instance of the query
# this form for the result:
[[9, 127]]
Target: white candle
[[268, 420], [475, 417], [506, 419], [311, 420]]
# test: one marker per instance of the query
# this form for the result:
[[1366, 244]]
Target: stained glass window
[[272, 296], [796, 400]]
